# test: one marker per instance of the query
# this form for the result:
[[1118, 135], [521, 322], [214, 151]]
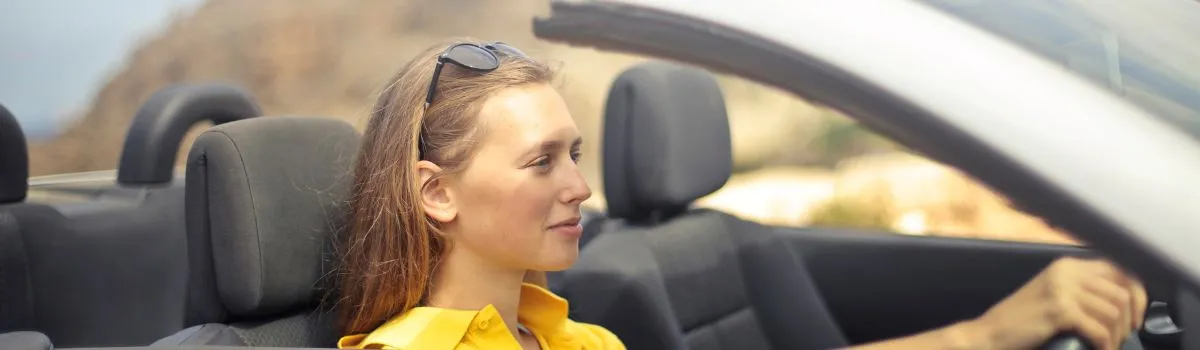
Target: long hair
[[391, 248]]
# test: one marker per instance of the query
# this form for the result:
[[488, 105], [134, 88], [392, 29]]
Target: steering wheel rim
[[1067, 341]]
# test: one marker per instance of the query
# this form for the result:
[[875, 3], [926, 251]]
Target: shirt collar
[[543, 312]]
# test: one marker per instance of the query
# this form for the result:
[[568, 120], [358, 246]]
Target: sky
[[55, 54]]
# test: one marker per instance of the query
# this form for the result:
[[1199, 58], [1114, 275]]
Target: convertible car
[[1083, 113]]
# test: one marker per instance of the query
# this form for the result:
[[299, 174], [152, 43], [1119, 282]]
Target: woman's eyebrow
[[543, 147], [552, 145]]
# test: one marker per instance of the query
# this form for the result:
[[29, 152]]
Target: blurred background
[[75, 71]]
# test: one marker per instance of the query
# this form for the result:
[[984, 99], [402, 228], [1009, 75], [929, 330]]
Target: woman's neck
[[466, 281]]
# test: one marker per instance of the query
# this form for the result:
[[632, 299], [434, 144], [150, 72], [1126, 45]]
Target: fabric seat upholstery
[[671, 276], [265, 199], [124, 248], [16, 286], [129, 255], [16, 293]]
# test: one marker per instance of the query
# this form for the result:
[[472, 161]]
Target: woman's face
[[517, 201]]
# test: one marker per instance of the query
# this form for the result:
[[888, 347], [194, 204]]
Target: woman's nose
[[577, 189]]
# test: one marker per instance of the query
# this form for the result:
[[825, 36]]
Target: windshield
[[1145, 51]]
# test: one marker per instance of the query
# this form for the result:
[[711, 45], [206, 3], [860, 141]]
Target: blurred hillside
[[328, 57]]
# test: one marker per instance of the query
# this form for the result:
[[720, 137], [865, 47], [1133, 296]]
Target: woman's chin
[[563, 261]]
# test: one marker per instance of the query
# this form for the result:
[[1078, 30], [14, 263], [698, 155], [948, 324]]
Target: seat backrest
[[110, 271], [16, 286], [672, 277], [107, 261], [265, 198], [16, 294]]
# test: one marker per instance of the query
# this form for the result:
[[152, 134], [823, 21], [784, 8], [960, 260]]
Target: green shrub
[[850, 212]]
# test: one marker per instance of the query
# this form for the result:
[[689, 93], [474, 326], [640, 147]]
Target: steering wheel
[[1066, 341]]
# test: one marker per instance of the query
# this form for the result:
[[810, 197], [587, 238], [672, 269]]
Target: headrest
[[666, 140], [14, 159], [265, 198]]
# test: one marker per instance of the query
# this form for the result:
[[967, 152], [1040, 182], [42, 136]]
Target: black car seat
[[593, 222], [671, 276], [16, 288], [108, 267], [265, 198]]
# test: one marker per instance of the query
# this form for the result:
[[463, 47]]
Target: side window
[[804, 165]]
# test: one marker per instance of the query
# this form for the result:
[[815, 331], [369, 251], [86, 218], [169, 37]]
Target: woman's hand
[[1090, 297]]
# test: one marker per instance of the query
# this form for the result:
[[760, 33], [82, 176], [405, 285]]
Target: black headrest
[[666, 140], [265, 198], [158, 128], [14, 159]]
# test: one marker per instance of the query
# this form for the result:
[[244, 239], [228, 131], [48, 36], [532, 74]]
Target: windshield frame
[[1122, 47], [993, 137]]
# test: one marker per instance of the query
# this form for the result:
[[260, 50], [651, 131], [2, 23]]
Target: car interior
[[238, 250]]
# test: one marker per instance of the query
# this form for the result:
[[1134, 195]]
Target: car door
[[957, 95]]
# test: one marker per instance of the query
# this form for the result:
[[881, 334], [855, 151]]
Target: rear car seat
[[110, 268], [94, 276], [265, 199], [673, 277], [16, 288]]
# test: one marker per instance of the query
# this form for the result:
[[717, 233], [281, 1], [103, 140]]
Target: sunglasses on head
[[478, 58], [485, 58]]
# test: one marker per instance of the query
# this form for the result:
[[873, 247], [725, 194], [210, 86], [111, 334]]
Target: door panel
[[882, 285]]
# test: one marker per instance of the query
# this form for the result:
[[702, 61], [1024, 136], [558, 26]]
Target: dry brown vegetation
[[327, 57]]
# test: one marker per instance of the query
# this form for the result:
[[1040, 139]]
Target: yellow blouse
[[542, 312]]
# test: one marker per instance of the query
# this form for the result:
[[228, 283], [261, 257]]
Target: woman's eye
[[575, 156], [542, 162]]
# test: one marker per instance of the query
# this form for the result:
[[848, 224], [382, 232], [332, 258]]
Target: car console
[[1159, 330]]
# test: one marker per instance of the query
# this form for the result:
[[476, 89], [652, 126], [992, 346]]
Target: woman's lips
[[570, 228]]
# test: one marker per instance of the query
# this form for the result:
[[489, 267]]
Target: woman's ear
[[436, 199]]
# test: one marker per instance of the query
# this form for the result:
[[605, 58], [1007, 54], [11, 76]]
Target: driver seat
[[671, 276], [265, 199]]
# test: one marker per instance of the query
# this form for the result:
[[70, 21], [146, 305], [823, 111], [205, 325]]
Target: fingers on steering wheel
[[1127, 285], [1139, 303], [1142, 301], [1072, 315], [1119, 295], [1107, 313]]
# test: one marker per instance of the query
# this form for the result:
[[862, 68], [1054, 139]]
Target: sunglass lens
[[473, 57], [506, 49]]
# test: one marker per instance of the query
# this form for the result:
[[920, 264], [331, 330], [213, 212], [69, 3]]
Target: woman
[[467, 179]]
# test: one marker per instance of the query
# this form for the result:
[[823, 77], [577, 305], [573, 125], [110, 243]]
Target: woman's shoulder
[[419, 328]]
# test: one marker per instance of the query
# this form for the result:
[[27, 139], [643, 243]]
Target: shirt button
[[483, 324]]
